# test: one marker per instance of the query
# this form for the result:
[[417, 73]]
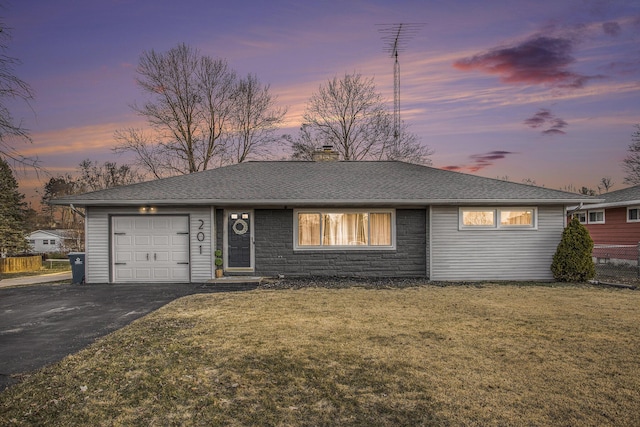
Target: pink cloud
[[539, 60]]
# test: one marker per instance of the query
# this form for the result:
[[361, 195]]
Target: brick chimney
[[326, 154]]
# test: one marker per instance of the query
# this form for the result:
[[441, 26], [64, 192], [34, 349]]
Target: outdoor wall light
[[147, 209]]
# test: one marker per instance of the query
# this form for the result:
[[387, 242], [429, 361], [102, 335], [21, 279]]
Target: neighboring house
[[322, 218], [45, 241], [614, 224]]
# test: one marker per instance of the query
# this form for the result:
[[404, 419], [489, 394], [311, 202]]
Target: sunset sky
[[546, 90]]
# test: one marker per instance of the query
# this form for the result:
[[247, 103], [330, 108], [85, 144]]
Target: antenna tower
[[396, 38]]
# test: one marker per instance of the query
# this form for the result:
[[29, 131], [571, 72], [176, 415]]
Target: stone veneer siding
[[274, 252]]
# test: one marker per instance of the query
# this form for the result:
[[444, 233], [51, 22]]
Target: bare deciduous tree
[[149, 156], [191, 97], [631, 163], [253, 120], [605, 185], [11, 88], [95, 176], [350, 115]]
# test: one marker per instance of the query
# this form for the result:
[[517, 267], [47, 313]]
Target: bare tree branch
[[12, 88], [254, 120], [631, 163], [190, 99], [350, 115]]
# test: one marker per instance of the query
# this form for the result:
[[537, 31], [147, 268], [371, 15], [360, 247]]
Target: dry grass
[[491, 355], [47, 268]]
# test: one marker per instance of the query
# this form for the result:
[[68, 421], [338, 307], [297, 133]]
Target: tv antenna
[[396, 38]]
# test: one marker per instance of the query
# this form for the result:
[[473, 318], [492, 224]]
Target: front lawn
[[455, 355]]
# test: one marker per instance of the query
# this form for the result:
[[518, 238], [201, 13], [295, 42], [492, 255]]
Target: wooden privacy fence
[[18, 264]]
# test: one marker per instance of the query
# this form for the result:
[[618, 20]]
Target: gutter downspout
[[75, 210], [580, 206]]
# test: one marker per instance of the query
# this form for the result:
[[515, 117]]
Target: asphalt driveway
[[42, 324]]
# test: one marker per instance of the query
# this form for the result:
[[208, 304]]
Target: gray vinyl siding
[[97, 241], [201, 251], [97, 254], [493, 254]]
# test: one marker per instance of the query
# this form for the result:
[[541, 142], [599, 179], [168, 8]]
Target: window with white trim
[[633, 214], [497, 218], [582, 217], [319, 229], [596, 217]]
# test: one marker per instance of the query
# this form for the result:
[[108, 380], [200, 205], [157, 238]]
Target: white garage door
[[150, 249]]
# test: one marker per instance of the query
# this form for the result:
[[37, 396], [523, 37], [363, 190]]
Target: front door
[[239, 240]]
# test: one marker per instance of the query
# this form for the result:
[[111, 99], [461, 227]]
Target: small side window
[[582, 217], [596, 217], [633, 214]]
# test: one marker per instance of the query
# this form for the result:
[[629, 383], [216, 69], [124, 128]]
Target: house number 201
[[200, 236]]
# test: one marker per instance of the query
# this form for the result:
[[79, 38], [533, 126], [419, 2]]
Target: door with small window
[[239, 233]]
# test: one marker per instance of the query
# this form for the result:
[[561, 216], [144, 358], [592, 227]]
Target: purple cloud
[[539, 118], [546, 118], [481, 161], [611, 28], [539, 60]]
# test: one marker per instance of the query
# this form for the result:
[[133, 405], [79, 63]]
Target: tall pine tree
[[13, 211]]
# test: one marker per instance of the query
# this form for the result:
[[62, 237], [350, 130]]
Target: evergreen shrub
[[573, 261]]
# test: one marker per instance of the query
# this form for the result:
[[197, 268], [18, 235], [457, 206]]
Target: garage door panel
[[161, 256], [162, 273], [123, 256], [180, 256], [124, 273], [142, 223], [143, 273], [123, 223], [143, 240], [162, 223], [160, 241], [141, 256], [148, 249], [123, 240]]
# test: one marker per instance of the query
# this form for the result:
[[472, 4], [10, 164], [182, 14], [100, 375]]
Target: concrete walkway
[[34, 280]]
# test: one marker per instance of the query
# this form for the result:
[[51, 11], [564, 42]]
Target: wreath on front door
[[240, 227]]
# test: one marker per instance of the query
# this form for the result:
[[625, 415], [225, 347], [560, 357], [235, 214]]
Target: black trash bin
[[77, 267]]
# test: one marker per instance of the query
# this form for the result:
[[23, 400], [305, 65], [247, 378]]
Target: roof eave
[[315, 202], [599, 205]]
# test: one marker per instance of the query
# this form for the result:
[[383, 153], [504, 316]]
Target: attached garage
[[150, 248]]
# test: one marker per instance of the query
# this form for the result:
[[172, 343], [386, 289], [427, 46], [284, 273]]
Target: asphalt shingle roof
[[625, 197], [309, 183]]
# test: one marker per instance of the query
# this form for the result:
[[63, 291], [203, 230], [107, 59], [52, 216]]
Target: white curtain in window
[[380, 224], [309, 229], [345, 229]]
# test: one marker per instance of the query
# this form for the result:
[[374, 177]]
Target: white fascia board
[[332, 202]]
